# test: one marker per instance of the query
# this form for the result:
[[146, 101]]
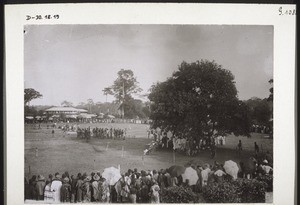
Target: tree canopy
[[199, 99], [31, 94], [260, 110], [123, 88], [66, 103]]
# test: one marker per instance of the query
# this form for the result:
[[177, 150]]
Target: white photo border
[[156, 13]]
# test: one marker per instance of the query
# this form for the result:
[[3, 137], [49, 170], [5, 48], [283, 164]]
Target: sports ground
[[46, 153]]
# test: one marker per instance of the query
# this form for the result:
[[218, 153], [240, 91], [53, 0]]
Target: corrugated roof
[[64, 109]]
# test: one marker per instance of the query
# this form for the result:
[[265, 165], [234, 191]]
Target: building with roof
[[64, 110]]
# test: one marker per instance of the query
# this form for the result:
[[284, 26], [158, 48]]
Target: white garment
[[48, 195], [127, 180], [267, 168], [223, 139], [55, 188], [204, 174]]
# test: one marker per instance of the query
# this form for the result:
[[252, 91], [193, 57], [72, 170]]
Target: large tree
[[123, 88], [199, 99], [31, 94], [107, 91], [260, 110]]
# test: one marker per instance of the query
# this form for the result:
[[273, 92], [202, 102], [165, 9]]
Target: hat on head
[[41, 178], [57, 176], [96, 177], [265, 161], [66, 180], [88, 178]]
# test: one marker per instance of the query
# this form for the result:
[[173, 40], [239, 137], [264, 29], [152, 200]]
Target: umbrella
[[219, 173], [231, 168], [112, 175], [176, 170], [191, 175]]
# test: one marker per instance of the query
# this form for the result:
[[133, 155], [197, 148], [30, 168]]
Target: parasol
[[112, 175], [231, 168], [191, 175], [219, 173]]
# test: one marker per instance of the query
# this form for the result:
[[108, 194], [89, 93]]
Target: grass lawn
[[60, 153]]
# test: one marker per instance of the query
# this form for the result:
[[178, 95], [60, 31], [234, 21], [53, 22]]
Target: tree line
[[199, 98]]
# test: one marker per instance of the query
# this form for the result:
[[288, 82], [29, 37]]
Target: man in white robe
[[55, 188]]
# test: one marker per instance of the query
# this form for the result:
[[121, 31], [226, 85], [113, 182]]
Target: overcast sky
[[75, 62]]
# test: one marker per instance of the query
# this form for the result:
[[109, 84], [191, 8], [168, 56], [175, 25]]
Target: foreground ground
[[46, 153]]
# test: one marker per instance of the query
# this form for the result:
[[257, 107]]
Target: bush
[[178, 195], [238, 191], [268, 179], [251, 191], [221, 192]]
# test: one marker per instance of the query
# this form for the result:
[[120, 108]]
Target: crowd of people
[[182, 144], [107, 133], [260, 129], [133, 186]]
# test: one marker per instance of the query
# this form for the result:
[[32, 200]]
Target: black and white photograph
[[148, 113]]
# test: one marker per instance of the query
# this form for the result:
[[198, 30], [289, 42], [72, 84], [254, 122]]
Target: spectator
[[256, 148], [32, 188], [155, 193], [55, 187], [95, 185], [65, 192], [40, 185], [78, 187]]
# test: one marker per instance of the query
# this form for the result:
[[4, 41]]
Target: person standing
[[55, 187], [174, 181], [65, 192], [48, 194], [40, 185], [132, 194], [78, 187], [204, 174], [213, 150], [105, 191], [256, 148], [73, 189], [155, 193], [32, 188], [86, 191], [239, 148], [95, 185]]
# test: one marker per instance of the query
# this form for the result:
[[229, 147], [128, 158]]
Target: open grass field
[[62, 152]]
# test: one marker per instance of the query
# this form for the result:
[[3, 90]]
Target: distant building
[[64, 110]]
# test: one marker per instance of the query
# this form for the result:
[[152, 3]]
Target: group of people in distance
[[133, 187], [103, 133], [260, 129], [188, 145]]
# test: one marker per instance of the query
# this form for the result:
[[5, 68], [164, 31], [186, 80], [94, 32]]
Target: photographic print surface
[[144, 113]]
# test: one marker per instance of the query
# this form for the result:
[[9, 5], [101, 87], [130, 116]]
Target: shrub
[[268, 179], [221, 192], [251, 190], [238, 191], [178, 195]]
